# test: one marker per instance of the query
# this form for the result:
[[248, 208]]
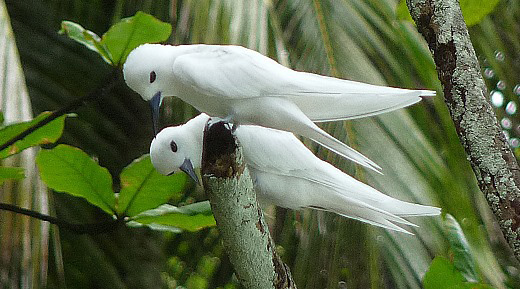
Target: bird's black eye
[[153, 76], [173, 146]]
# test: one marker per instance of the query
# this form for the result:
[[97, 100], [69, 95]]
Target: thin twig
[[91, 229], [104, 88]]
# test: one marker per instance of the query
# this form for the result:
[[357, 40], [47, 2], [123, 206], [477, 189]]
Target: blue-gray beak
[[187, 167], [155, 104]]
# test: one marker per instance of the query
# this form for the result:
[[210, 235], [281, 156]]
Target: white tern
[[246, 87], [286, 173]]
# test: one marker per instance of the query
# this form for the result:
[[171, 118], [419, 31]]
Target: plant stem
[[102, 90], [91, 229]]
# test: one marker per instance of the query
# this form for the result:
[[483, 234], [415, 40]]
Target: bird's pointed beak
[[155, 104], [187, 167]]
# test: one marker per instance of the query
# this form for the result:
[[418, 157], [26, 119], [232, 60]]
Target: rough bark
[[239, 218], [495, 167]]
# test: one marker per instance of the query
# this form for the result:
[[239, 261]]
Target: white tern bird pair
[[247, 88]]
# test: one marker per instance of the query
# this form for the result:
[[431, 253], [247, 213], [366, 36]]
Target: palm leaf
[[359, 40], [23, 242]]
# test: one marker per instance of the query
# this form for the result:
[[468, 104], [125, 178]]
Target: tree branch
[[103, 89], [92, 229], [238, 215], [495, 167]]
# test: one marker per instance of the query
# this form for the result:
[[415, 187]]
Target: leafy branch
[[109, 82], [70, 170], [94, 228]]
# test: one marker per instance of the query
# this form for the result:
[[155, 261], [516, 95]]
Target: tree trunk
[[442, 25]]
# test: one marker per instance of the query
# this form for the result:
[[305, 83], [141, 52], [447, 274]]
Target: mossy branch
[[239, 218], [495, 166]]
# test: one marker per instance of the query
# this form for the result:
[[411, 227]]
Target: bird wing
[[229, 72], [281, 153], [275, 150], [234, 72]]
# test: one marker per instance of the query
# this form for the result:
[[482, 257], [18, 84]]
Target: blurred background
[[361, 40]]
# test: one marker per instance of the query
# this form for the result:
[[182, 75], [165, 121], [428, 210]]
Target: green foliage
[[444, 275], [70, 170], [115, 45], [143, 188], [191, 217], [47, 134], [462, 258], [133, 31], [475, 10], [11, 173], [472, 10], [459, 272], [86, 37]]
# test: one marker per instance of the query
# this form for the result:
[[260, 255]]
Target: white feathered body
[[247, 87], [287, 174], [232, 75]]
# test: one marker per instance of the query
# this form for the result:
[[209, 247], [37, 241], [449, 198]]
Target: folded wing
[[234, 72]]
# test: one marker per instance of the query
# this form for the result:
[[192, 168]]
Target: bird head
[[179, 148], [146, 71]]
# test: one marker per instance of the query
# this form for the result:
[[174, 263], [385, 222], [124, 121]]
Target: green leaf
[[462, 259], [472, 10], [143, 188], [155, 227], [442, 274], [191, 217], [11, 173], [86, 37], [1, 118], [133, 31], [475, 10], [402, 12], [70, 170], [49, 133]]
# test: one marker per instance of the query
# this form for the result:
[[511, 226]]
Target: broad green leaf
[[1, 118], [133, 31], [442, 274], [402, 12], [462, 258], [472, 10], [143, 188], [86, 37], [70, 170], [475, 10], [49, 133], [155, 227], [191, 217], [11, 173]]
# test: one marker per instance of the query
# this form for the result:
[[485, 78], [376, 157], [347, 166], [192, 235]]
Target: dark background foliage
[[359, 40]]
